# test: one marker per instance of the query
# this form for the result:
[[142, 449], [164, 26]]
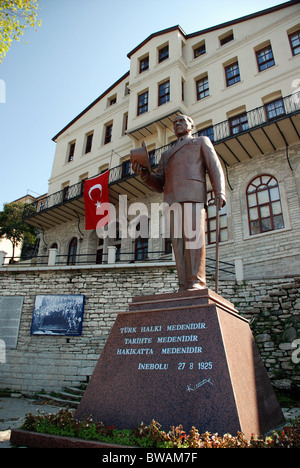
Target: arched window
[[264, 205], [72, 251]]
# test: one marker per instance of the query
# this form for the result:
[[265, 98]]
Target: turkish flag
[[96, 201]]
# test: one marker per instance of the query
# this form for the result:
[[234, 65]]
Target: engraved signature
[[190, 388]]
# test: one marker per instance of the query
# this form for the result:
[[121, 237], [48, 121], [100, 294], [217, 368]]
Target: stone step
[[75, 390], [61, 401], [71, 396]]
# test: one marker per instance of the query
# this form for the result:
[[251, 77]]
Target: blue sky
[[53, 73]]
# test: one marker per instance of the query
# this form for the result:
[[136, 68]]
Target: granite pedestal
[[184, 358]]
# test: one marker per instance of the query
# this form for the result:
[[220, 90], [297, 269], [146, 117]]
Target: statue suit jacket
[[181, 173]]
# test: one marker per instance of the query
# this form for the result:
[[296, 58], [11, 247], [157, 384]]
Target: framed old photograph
[[57, 315]]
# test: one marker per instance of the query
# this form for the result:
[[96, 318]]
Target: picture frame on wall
[[58, 315]]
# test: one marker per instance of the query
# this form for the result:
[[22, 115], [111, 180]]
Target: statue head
[[183, 125]]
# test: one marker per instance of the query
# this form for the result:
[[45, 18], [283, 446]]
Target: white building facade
[[240, 83]]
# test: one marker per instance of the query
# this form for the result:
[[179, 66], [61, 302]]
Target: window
[[89, 141], [71, 151], [152, 158], [238, 124], [144, 64], [202, 88], [99, 253], [163, 54], [142, 103], [112, 100], [209, 132], [265, 58], [125, 123], [211, 221], [141, 248], [108, 133], [295, 42], [225, 38], [232, 73], [65, 193], [126, 168], [127, 90], [199, 50], [275, 109], [164, 93], [264, 205], [72, 251], [168, 246]]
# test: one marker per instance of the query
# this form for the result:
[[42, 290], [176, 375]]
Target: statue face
[[182, 125]]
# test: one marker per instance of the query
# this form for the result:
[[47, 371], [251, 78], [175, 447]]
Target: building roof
[[215, 28], [186, 36]]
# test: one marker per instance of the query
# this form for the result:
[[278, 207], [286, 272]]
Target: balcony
[[258, 131]]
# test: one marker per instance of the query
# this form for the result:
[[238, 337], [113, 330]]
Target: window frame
[[144, 64], [142, 102], [204, 84], [71, 153], [277, 113], [236, 77], [89, 142], [108, 133], [72, 251], [199, 49], [163, 53], [141, 246], [266, 63], [236, 128], [226, 38], [164, 92], [207, 131], [291, 42], [126, 168]]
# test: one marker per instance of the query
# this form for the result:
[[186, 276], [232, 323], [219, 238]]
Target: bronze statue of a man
[[181, 176]]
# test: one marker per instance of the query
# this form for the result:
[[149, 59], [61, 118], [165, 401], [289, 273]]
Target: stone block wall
[[52, 362]]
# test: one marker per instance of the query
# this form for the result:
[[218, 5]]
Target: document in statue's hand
[[140, 156]]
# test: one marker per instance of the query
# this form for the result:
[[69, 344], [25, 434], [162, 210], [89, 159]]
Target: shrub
[[64, 423]]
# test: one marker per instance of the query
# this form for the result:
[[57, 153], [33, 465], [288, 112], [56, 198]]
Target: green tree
[[13, 227], [15, 17]]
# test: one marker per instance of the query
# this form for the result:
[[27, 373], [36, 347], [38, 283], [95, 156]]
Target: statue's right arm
[[155, 181]]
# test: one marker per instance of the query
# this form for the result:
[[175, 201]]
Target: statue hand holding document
[[140, 160]]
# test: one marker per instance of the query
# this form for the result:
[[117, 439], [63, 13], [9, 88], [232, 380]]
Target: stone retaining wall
[[52, 362]]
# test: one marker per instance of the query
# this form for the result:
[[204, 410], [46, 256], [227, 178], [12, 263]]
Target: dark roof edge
[[214, 28], [91, 105], [158, 33]]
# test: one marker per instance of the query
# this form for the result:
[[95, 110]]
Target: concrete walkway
[[14, 410]]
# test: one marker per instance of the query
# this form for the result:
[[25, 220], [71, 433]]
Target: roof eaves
[[158, 33]]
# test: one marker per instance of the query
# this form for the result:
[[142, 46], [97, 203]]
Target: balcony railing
[[227, 269], [256, 118]]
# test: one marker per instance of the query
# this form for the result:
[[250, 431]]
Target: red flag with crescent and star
[[96, 201]]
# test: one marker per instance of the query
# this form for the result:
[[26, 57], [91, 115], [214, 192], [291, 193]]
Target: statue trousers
[[187, 233]]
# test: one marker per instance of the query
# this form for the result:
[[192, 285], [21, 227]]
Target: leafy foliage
[[64, 423], [15, 17], [13, 227]]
